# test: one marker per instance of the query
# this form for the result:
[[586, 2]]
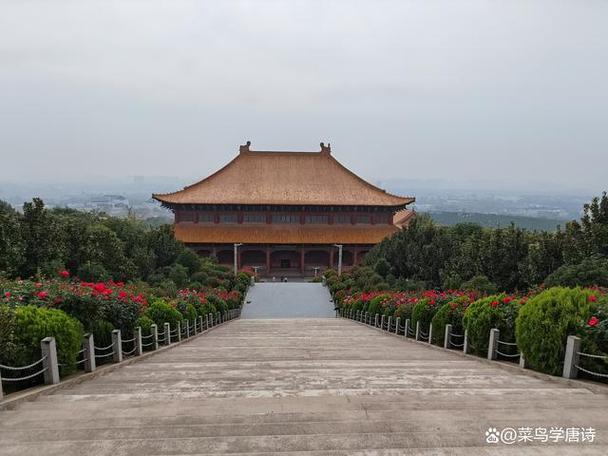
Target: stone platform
[[302, 386]]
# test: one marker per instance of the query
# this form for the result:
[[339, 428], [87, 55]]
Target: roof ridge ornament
[[243, 149], [326, 150]]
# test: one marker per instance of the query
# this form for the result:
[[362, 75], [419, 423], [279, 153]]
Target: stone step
[[270, 444]]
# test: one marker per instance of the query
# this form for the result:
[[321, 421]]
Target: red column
[[267, 260]]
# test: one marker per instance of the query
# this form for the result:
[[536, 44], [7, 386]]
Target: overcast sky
[[506, 91]]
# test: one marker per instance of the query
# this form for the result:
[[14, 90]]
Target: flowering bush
[[450, 313], [547, 319], [497, 311]]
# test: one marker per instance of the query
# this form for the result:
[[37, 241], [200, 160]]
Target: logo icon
[[492, 435]]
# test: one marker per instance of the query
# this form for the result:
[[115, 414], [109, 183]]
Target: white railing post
[[573, 347], [382, 323], [465, 343], [397, 321], [88, 344], [179, 331], [493, 343], [522, 361], [1, 392], [139, 349], [376, 321], [50, 364], [154, 331], [206, 322], [200, 322], [116, 346], [407, 328], [195, 327], [390, 321], [446, 336], [418, 330], [187, 329], [430, 333], [211, 319], [167, 333]]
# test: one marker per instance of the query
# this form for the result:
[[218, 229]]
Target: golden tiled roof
[[284, 178], [190, 232]]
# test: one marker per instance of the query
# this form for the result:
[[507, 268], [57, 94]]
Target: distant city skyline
[[509, 94]]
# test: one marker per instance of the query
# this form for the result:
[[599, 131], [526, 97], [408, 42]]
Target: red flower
[[592, 298], [494, 303], [593, 321], [99, 287], [7, 294], [65, 274], [42, 294], [122, 294], [507, 299]]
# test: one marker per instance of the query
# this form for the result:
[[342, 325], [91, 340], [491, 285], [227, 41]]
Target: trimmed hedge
[[544, 323], [450, 313], [33, 324], [498, 311], [160, 313]]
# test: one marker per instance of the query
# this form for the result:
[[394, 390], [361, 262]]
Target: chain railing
[[572, 360], [90, 353]]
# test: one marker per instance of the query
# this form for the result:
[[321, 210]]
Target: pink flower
[[65, 274], [42, 294], [592, 298], [593, 321]]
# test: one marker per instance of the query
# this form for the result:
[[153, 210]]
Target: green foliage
[[481, 284], [187, 310], [218, 303], [12, 247], [160, 312], [450, 313], [423, 312], [145, 323], [93, 272], [102, 332], [9, 350], [382, 267], [33, 324], [589, 272], [122, 315], [497, 311], [545, 322]]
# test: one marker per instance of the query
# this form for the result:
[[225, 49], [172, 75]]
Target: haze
[[513, 93]]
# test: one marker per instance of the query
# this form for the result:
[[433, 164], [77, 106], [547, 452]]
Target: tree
[[12, 247], [43, 238]]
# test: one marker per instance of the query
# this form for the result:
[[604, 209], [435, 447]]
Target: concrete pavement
[[288, 300], [301, 386]]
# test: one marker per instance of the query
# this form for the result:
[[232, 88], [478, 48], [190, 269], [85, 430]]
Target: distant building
[[288, 209]]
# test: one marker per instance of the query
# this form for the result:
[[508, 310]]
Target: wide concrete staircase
[[301, 386]]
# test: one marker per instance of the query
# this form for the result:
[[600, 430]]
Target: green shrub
[[32, 324], [544, 323], [187, 310], [591, 271], [218, 303], [145, 323], [497, 311], [84, 308], [450, 313], [423, 312], [480, 284], [93, 272], [8, 328], [121, 314], [102, 332], [160, 312]]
